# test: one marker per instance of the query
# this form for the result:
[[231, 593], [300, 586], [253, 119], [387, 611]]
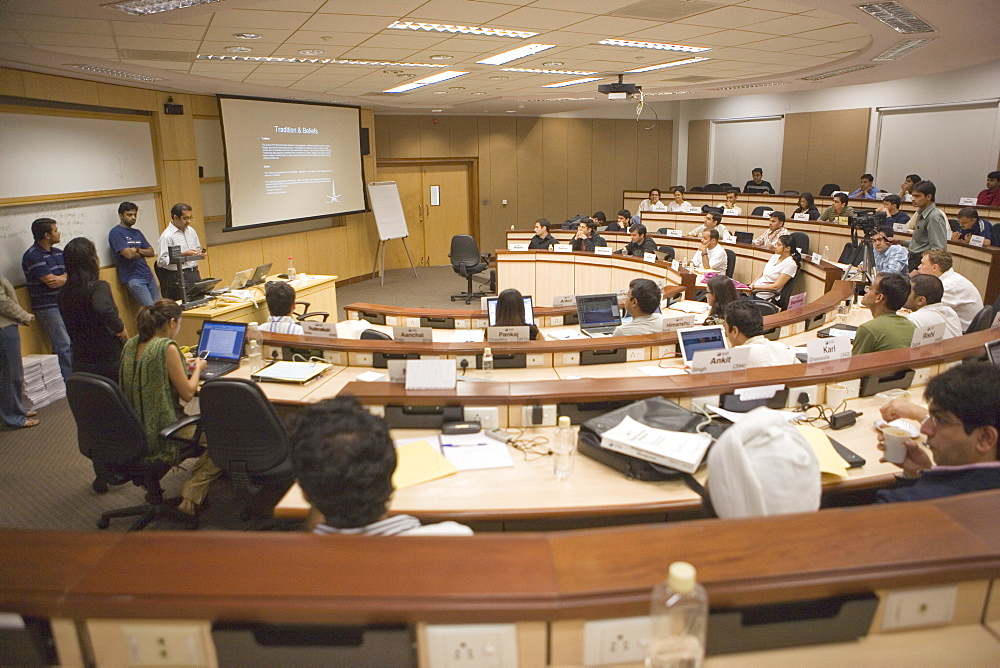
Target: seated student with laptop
[[692, 339], [221, 346], [599, 315], [280, 298], [745, 329], [511, 309], [642, 302]]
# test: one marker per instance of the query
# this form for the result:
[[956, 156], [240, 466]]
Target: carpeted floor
[[45, 483]]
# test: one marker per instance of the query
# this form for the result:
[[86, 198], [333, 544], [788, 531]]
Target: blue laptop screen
[[707, 338], [491, 310], [598, 310], [223, 340]]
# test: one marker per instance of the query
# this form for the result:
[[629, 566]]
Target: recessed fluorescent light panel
[[572, 82], [426, 81], [753, 85], [143, 7], [464, 30], [121, 74], [896, 16], [514, 54], [904, 48], [654, 45], [836, 73], [661, 66], [528, 70], [314, 61]]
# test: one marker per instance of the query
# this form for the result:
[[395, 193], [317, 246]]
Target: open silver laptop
[[599, 314]]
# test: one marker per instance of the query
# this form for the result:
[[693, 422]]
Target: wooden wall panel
[[697, 162], [824, 147], [504, 160], [794, 159], [434, 137], [61, 89], [124, 97], [579, 172], [490, 235], [602, 165], [531, 170], [624, 156], [665, 153], [555, 165], [11, 82], [463, 137]]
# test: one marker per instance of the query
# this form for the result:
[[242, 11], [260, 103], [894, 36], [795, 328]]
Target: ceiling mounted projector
[[620, 90]]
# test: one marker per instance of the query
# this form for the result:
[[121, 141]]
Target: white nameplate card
[[816, 258], [731, 212], [507, 334], [430, 374], [967, 201], [829, 349], [766, 213], [680, 450], [651, 257], [562, 248], [800, 216], [564, 300], [883, 194], [729, 239], [327, 330], [674, 233], [976, 240], [397, 370], [675, 265], [757, 393], [900, 227], [517, 247], [602, 250], [421, 334], [796, 301], [661, 283], [929, 334], [679, 322], [717, 361]]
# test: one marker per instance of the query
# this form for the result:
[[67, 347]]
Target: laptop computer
[[259, 274], [599, 314], [221, 345], [201, 288], [993, 352], [491, 310], [744, 237], [240, 279], [692, 339]]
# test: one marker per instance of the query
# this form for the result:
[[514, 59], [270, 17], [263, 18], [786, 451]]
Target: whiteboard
[[388, 210], [91, 218], [740, 145], [56, 155], [950, 146]]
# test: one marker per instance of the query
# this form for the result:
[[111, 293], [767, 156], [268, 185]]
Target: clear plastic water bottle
[[488, 363], [291, 269], [679, 611], [255, 347], [563, 447], [826, 253]]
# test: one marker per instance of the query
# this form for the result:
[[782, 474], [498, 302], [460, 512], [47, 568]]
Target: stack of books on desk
[[43, 383]]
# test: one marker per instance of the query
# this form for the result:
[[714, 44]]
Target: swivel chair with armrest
[[247, 440], [981, 320], [761, 210], [467, 261], [828, 189], [730, 261], [306, 314], [792, 286], [111, 435]]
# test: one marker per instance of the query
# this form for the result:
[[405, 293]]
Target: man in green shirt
[[886, 330]]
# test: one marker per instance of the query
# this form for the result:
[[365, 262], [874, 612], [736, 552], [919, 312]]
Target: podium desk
[[319, 291]]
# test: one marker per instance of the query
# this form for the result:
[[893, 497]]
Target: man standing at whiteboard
[[179, 233], [45, 274], [131, 250]]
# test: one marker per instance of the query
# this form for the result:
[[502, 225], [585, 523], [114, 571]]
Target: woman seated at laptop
[[155, 380], [720, 293], [510, 313], [780, 268]]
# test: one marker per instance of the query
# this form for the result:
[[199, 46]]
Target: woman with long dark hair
[[807, 204], [720, 293], [780, 268], [95, 329], [510, 312]]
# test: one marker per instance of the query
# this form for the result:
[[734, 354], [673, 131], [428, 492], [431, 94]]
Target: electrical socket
[[635, 354], [334, 357], [471, 359], [548, 416], [412, 322], [570, 359], [474, 645], [489, 418], [621, 640], [919, 607], [535, 360], [164, 644], [698, 403], [364, 359]]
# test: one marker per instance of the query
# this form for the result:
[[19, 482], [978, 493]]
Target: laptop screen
[[223, 340], [744, 237], [491, 310], [598, 310], [259, 274], [693, 339]]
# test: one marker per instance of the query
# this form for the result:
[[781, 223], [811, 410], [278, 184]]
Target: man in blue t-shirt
[[45, 274], [131, 250]]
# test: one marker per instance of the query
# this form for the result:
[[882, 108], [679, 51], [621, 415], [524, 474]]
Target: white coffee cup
[[894, 435], [836, 394]]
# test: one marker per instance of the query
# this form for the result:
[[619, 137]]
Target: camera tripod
[[865, 252]]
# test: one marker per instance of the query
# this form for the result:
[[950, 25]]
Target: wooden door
[[408, 182]]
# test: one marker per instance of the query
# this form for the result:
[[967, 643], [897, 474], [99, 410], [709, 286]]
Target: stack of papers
[[679, 450], [418, 461], [690, 306], [43, 383], [472, 452]]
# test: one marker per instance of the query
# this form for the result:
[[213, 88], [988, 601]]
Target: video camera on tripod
[[867, 222]]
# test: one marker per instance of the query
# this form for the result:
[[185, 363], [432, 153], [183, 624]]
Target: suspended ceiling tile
[[776, 6], [411, 41], [17, 21], [459, 11], [589, 6], [219, 48], [838, 33], [611, 26], [538, 20], [89, 52], [289, 69], [781, 43], [157, 30], [795, 26], [316, 38], [731, 17], [268, 36], [228, 76], [823, 49], [214, 67], [365, 53], [160, 64], [192, 20], [346, 23], [45, 39], [483, 45], [673, 33], [571, 39], [730, 38], [292, 5], [190, 45], [10, 37], [236, 18], [381, 8]]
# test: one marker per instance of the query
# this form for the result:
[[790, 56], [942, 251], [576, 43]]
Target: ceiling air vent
[[904, 48], [666, 10], [836, 73], [896, 16], [150, 54]]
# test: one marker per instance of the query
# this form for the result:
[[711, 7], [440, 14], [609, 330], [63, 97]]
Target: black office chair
[[713, 188], [247, 440], [730, 261], [759, 211], [766, 308], [663, 230], [981, 321], [851, 254], [668, 253], [792, 286], [996, 305], [726, 184], [697, 189], [801, 240], [828, 189], [111, 435], [306, 314], [467, 261], [789, 193], [376, 335], [954, 224]]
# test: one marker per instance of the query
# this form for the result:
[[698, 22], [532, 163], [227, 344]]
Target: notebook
[[221, 345], [491, 310], [599, 314], [692, 339], [744, 237]]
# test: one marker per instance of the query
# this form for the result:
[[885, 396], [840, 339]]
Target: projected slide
[[288, 161]]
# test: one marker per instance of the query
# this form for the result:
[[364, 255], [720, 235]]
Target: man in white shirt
[[713, 221], [926, 308], [280, 298], [642, 301], [745, 329], [711, 256], [959, 292], [775, 230], [179, 233]]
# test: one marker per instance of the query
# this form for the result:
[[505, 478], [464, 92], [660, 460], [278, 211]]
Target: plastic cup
[[894, 435], [890, 395]]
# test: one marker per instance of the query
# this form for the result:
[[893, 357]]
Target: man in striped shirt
[[280, 298], [45, 274], [344, 458]]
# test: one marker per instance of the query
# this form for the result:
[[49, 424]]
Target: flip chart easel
[[390, 220]]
